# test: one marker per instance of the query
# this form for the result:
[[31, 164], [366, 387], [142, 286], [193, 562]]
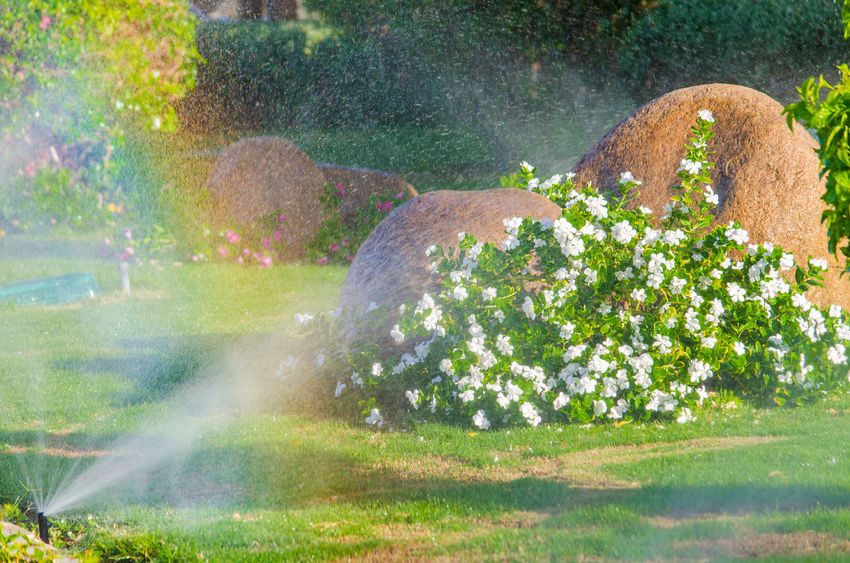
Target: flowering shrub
[[617, 320], [338, 238], [262, 243], [74, 76]]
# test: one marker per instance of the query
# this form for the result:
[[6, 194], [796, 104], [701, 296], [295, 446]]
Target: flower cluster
[[341, 234], [262, 244], [617, 320]]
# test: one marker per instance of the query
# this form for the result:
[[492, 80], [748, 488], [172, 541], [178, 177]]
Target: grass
[[264, 482]]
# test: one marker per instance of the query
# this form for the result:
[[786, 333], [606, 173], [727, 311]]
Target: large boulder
[[257, 176], [766, 176], [392, 267], [360, 183]]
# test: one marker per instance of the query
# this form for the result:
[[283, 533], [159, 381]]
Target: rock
[[391, 266], [258, 176], [766, 176], [360, 183]]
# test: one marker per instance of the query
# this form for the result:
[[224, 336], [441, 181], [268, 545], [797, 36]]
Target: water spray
[[43, 528]]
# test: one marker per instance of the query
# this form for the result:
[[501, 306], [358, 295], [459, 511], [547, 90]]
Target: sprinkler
[[42, 528]]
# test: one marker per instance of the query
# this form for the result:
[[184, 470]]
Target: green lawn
[[259, 481]]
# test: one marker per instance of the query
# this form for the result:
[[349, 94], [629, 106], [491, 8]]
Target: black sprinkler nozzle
[[43, 527]]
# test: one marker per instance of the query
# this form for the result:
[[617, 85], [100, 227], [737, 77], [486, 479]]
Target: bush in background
[[74, 76], [764, 44]]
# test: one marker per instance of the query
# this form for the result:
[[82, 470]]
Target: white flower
[[736, 292], [699, 371], [512, 391], [710, 196], [377, 369], [623, 232], [685, 416], [735, 234], [708, 342], [645, 210], [618, 410], [339, 388], [488, 294], [526, 167], [626, 177], [705, 115], [320, 359], [638, 294], [375, 418], [600, 407], [786, 262], [467, 395], [677, 285], [597, 206], [818, 263], [302, 318], [663, 343], [528, 412], [567, 330], [397, 334], [479, 419], [512, 225], [836, 354], [560, 401], [835, 311], [739, 348], [413, 397], [503, 345], [801, 302], [434, 317], [528, 308], [674, 237], [459, 293], [425, 304], [690, 166]]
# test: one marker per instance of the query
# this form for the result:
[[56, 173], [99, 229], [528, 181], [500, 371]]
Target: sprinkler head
[[43, 527]]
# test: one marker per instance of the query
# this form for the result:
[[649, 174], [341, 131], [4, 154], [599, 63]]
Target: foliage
[[339, 238], [634, 322], [759, 43], [273, 75], [830, 117], [73, 76], [262, 243], [527, 27]]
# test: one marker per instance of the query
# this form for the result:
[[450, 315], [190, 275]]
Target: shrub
[[274, 75], [340, 237], [73, 76], [632, 323], [829, 117], [759, 43]]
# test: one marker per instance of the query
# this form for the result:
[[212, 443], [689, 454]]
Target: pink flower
[[265, 261], [45, 23], [267, 242], [385, 205], [349, 257], [365, 219], [339, 185], [128, 234], [399, 195], [281, 218], [240, 260], [333, 247], [195, 258], [278, 236], [345, 241], [231, 236], [340, 193], [128, 251], [29, 170], [224, 251], [322, 260], [107, 242], [246, 252]]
